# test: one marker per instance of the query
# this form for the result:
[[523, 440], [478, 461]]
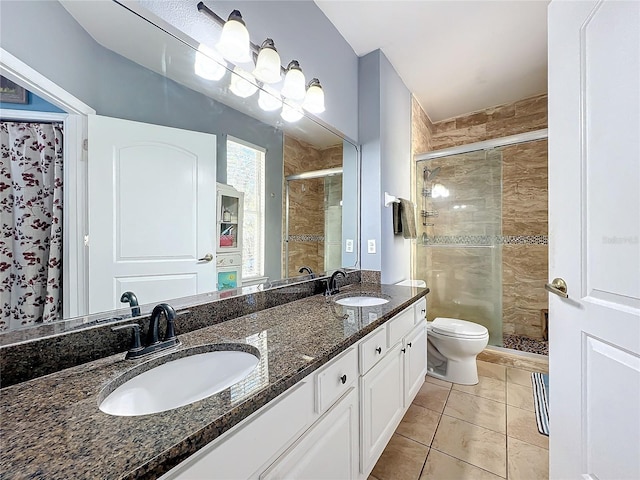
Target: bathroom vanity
[[332, 384]]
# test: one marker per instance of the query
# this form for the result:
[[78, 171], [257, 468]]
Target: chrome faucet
[[153, 343], [132, 300], [308, 270], [332, 287]]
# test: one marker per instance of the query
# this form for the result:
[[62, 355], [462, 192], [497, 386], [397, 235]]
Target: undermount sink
[[361, 301], [179, 382]]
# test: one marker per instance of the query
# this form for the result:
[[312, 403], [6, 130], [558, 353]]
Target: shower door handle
[[558, 286]]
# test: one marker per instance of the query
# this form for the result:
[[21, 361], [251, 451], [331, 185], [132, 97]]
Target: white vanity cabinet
[[248, 448], [328, 450], [381, 405], [390, 385], [415, 362], [333, 424]]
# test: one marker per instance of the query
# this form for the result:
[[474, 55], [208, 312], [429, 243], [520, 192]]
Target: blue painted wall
[[35, 104], [385, 134], [300, 31]]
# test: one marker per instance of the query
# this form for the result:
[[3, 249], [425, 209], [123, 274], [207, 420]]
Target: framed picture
[[12, 93]]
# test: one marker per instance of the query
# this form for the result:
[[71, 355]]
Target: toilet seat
[[456, 328]]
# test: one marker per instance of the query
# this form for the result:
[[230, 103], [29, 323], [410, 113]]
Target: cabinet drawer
[[335, 379], [373, 349], [264, 434], [420, 309], [399, 326]]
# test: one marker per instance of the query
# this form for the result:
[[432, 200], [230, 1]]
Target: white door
[[152, 212], [594, 227]]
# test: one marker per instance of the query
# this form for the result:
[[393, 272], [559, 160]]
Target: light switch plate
[[348, 245], [371, 246]]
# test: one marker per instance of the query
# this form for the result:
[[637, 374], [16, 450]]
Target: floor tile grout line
[[413, 439], [476, 425], [464, 461], [435, 431], [424, 464], [481, 396], [506, 437], [486, 398]]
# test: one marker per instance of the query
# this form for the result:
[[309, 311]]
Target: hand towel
[[408, 218], [397, 220]]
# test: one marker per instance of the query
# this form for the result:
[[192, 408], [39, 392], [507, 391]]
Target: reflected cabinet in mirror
[[127, 171]]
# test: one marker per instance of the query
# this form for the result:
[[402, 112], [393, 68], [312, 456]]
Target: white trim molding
[[75, 301]]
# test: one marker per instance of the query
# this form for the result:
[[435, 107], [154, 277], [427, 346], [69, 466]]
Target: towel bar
[[389, 199]]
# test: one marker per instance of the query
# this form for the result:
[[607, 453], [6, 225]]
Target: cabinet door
[[382, 404], [415, 362], [244, 451], [329, 449]]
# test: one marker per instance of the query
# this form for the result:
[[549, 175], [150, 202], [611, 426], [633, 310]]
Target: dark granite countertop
[[51, 427]]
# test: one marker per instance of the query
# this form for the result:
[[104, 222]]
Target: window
[[245, 172]]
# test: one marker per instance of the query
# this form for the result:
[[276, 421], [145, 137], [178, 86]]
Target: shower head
[[430, 174]]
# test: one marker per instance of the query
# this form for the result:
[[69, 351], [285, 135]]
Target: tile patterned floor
[[457, 432]]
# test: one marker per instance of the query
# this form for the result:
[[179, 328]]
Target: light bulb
[[291, 114], [439, 191], [268, 63], [242, 83], [294, 83], [314, 98], [209, 64], [269, 99], [234, 39]]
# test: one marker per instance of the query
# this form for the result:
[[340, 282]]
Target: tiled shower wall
[[306, 204], [524, 204]]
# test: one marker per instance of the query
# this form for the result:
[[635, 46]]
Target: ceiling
[[456, 57]]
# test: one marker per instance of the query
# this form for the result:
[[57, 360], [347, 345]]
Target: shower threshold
[[525, 344]]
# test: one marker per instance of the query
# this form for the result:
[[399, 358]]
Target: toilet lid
[[455, 327]]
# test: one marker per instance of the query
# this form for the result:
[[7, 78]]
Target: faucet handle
[[135, 339], [170, 313]]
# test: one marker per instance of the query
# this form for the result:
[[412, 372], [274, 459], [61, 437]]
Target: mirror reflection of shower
[[313, 227]]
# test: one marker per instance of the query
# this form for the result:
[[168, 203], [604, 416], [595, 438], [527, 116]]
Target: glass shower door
[[459, 252]]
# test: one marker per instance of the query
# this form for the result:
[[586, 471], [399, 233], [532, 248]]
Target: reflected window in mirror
[[246, 173]]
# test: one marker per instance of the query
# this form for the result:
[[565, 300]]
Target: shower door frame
[[486, 145]]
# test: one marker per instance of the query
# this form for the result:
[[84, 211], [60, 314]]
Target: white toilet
[[452, 348]]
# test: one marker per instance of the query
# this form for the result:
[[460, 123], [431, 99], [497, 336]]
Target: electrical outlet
[[348, 245], [371, 246]]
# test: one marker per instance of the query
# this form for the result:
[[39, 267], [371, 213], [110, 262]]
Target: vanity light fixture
[[314, 98], [268, 63], [234, 44], [269, 99], [294, 82], [291, 113], [209, 63], [243, 84]]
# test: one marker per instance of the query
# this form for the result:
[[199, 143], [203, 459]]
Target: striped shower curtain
[[30, 223]]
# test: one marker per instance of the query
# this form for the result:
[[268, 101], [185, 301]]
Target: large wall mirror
[[180, 186]]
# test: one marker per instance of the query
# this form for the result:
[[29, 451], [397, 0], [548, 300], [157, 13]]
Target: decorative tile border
[[484, 240], [306, 238], [525, 240]]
